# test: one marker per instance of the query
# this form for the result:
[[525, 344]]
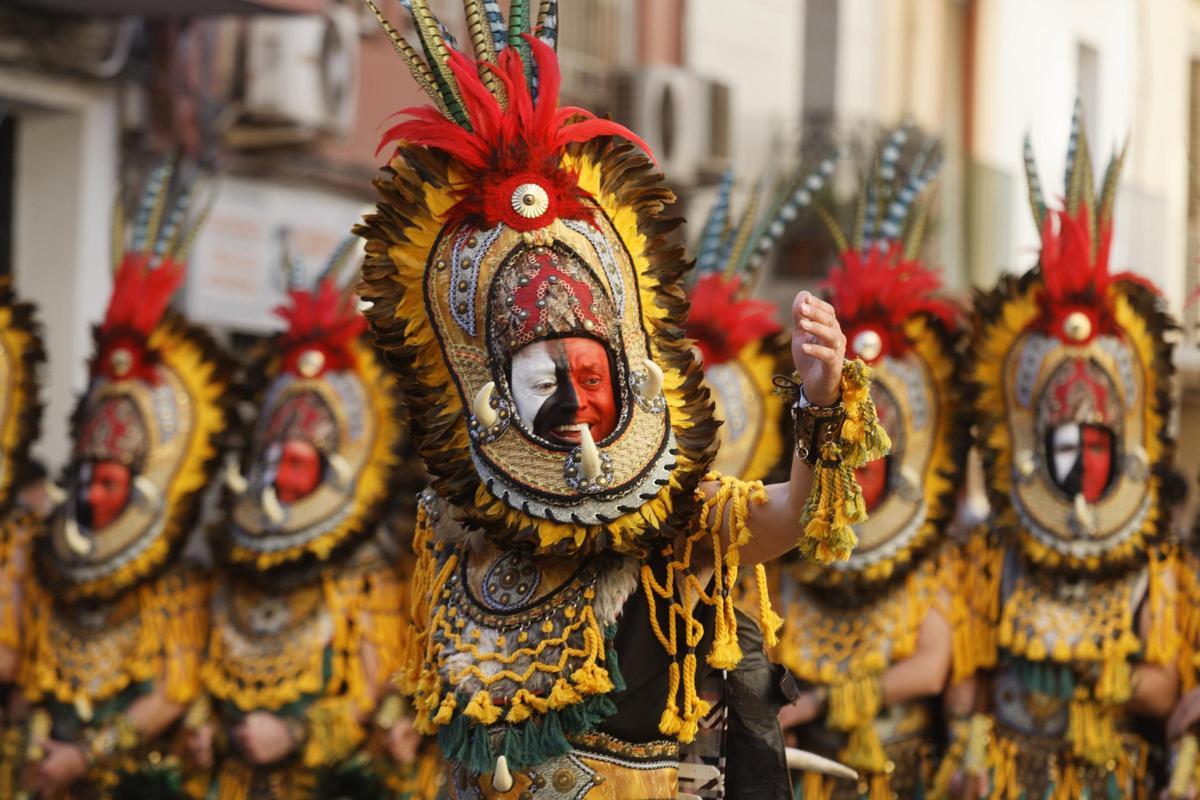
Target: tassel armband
[[835, 441]]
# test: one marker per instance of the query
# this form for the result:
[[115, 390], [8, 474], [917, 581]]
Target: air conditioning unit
[[682, 116], [302, 72]]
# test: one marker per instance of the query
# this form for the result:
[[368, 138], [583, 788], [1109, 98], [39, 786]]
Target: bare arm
[[818, 350], [924, 673], [153, 713], [1155, 686]]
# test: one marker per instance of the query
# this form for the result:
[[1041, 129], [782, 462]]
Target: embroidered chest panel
[[268, 645], [1070, 621], [827, 643], [96, 646], [508, 621]]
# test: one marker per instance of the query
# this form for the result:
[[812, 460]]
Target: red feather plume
[[878, 291], [139, 300], [509, 146], [1074, 278], [722, 322], [325, 319]]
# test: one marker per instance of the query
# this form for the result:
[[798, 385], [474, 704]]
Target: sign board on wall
[[236, 274]]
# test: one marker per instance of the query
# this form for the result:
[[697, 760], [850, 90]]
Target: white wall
[[754, 47], [1026, 81], [66, 174]]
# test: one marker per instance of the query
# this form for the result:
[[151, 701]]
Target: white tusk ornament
[[271, 506], [482, 407]]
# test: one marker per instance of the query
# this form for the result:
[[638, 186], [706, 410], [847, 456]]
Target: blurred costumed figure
[[574, 567], [870, 638], [306, 621], [115, 638], [1072, 589], [742, 348], [21, 357]]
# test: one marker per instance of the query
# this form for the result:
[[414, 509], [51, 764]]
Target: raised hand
[[818, 348]]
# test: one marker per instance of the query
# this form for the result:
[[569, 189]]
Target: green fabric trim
[[537, 739]]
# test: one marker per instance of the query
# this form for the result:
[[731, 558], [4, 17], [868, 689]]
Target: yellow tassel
[[445, 710], [482, 709], [767, 618], [670, 723], [517, 710]]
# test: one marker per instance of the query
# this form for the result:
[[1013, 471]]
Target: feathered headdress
[[1076, 244], [158, 403], [879, 282], [506, 131], [148, 270], [723, 318], [1038, 332], [324, 318], [325, 385]]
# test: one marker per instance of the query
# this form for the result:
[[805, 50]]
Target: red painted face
[[561, 384], [872, 479], [298, 472], [107, 492], [1097, 462]]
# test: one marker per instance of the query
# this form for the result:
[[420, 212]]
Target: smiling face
[[560, 385]]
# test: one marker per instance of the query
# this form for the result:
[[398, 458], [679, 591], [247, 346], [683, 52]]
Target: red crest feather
[[722, 322], [509, 145], [325, 319], [139, 300], [879, 290], [1076, 278]]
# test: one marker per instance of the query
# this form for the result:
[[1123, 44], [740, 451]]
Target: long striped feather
[[339, 258], [800, 194], [1073, 179], [712, 234], [835, 230], [495, 20], [438, 58], [547, 23], [416, 65], [155, 186], [118, 231], [914, 237], [482, 45], [1108, 194], [1037, 198], [154, 223], [174, 219], [442, 29], [188, 238], [518, 26], [741, 236]]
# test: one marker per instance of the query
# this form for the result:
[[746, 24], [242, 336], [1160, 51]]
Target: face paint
[[872, 479], [1082, 459], [1065, 453], [1097, 461], [560, 385], [107, 492], [298, 472]]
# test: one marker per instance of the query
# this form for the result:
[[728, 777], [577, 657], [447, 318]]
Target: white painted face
[[1067, 443], [534, 379]]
